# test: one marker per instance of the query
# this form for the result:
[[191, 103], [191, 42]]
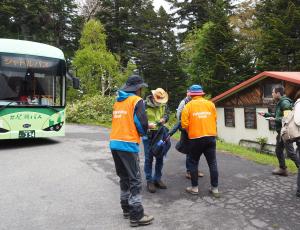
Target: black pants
[[207, 146], [280, 146], [127, 168]]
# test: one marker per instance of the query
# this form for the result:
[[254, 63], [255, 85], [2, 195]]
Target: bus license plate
[[27, 134]]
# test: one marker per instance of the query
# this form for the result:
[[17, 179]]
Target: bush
[[91, 110]]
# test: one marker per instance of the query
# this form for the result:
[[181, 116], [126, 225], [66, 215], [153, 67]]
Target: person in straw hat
[[157, 113]]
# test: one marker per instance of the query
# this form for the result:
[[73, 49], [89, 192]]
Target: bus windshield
[[27, 80]]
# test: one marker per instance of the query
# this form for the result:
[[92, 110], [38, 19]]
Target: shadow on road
[[24, 143]]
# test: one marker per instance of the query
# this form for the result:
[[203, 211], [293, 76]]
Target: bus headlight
[[55, 127]]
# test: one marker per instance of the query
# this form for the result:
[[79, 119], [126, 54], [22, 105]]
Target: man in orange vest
[[199, 119], [129, 123]]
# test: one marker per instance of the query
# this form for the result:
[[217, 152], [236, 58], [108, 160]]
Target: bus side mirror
[[76, 83]]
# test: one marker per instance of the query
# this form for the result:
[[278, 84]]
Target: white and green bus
[[32, 90]]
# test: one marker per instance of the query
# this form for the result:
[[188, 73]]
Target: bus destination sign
[[26, 62]]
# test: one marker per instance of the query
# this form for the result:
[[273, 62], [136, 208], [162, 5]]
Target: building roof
[[293, 77], [29, 48]]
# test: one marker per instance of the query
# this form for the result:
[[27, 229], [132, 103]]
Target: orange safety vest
[[123, 126], [199, 118]]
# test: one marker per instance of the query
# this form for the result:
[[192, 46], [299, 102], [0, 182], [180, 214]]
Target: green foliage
[[97, 68], [211, 54], [139, 35], [157, 55], [54, 22], [91, 110], [278, 47], [191, 14], [262, 142]]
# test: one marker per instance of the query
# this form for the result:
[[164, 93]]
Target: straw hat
[[160, 95]]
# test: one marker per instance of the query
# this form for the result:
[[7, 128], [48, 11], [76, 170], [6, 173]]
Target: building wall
[[235, 134]]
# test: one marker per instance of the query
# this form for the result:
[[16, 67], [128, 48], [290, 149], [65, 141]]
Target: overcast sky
[[158, 3]]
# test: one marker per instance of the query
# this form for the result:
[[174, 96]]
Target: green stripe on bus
[[47, 111]]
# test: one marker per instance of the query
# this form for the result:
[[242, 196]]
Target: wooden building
[[238, 121]]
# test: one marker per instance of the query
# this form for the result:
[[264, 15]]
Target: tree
[[139, 35], [53, 22], [242, 22], [191, 14], [97, 68], [156, 53], [174, 79], [278, 47], [210, 53]]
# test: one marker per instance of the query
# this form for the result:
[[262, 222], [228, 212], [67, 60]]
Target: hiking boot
[[126, 214], [151, 187], [192, 190], [145, 220], [215, 192], [280, 172], [160, 184]]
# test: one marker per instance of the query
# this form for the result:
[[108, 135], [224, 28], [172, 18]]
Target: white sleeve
[[297, 112], [179, 110]]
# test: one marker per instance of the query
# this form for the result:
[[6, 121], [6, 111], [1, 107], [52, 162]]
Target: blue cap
[[196, 90]]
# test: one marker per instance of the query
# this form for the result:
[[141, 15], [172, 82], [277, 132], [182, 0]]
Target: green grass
[[252, 155]]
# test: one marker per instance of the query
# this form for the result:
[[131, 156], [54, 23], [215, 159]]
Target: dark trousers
[[128, 170], [206, 146], [187, 163], [280, 146], [149, 157]]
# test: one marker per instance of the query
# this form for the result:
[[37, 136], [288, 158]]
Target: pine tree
[[279, 46], [190, 15], [53, 22], [211, 55]]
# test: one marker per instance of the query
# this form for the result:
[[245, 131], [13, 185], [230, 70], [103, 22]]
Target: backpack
[[159, 145], [290, 129]]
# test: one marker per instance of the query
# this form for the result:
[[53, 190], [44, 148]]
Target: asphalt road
[[70, 184]]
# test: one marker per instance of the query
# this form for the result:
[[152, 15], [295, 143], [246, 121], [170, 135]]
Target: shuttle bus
[[32, 90]]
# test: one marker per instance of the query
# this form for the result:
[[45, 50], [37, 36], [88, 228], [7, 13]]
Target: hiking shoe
[[280, 172], [126, 215], [200, 174], [145, 220], [192, 190], [160, 184], [215, 192], [151, 187], [188, 175]]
